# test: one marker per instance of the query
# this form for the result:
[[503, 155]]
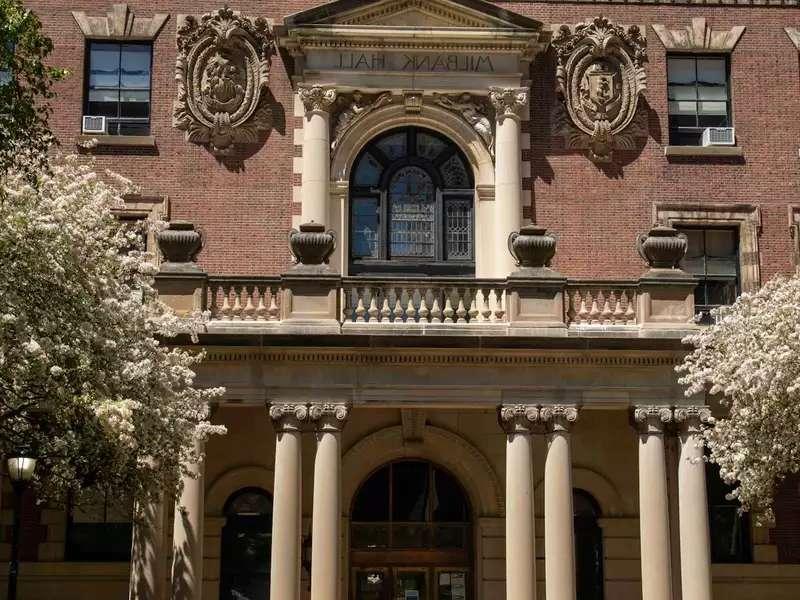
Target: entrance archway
[[246, 546], [588, 546], [411, 535]]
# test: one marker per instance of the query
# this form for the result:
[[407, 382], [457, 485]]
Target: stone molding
[[558, 417], [652, 420], [691, 419], [519, 418], [475, 111], [316, 98], [288, 417], [699, 37], [794, 35], [413, 421], [120, 23], [508, 102], [351, 108], [600, 76], [222, 71], [233, 480], [328, 416]]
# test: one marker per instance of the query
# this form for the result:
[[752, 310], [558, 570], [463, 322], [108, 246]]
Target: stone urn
[[180, 242], [312, 245], [532, 246], [663, 247]]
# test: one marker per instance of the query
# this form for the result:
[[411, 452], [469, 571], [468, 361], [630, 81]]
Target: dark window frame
[[719, 505], [113, 538], [677, 133], [115, 123]]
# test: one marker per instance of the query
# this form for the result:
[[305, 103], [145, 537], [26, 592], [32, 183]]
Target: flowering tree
[[85, 383], [751, 358]]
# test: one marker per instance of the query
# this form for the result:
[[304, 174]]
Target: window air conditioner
[[94, 124], [719, 136]]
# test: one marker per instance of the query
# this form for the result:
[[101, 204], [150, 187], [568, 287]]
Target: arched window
[[411, 206], [411, 535], [246, 546], [588, 546]]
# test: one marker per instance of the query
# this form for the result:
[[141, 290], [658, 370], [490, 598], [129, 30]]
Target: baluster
[[448, 310], [385, 311], [630, 315], [423, 308], [411, 311], [606, 314], [274, 313], [360, 310], [348, 311], [473, 312], [213, 304], [373, 309], [461, 311], [398, 310], [225, 311], [573, 301], [618, 314], [249, 310], [436, 312], [500, 305], [485, 309], [261, 309], [236, 310], [583, 313], [594, 311]]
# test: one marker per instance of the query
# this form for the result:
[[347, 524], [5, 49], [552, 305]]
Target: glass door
[[451, 584], [371, 584], [411, 584]]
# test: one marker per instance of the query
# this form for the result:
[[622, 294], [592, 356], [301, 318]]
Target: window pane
[[711, 70], [366, 221], [103, 65], [684, 137], [454, 173], [412, 214], [368, 172], [682, 92], [720, 292], [394, 146], [410, 490], [712, 108], [710, 92], [447, 502], [682, 108], [721, 242], [452, 585], [135, 104], [372, 503], [129, 128], [429, 146], [103, 103], [681, 70], [458, 220], [135, 66]]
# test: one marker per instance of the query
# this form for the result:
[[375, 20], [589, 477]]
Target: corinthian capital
[[652, 419], [692, 418], [519, 418], [288, 417], [329, 416], [558, 417], [508, 102], [317, 98]]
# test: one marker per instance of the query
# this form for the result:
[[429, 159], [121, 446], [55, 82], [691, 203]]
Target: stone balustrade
[[244, 299], [600, 303]]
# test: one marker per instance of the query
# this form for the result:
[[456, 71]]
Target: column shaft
[[316, 152], [653, 504], [695, 541], [287, 501], [148, 560], [187, 534]]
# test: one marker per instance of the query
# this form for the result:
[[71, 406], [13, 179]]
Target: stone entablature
[[699, 37], [120, 23]]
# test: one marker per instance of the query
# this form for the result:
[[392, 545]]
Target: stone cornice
[[120, 23], [699, 37], [726, 3]]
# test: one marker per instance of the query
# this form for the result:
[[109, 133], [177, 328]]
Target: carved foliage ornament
[[222, 72], [475, 111], [600, 76], [351, 108]]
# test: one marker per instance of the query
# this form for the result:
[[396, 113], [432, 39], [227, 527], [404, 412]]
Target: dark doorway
[[588, 546]]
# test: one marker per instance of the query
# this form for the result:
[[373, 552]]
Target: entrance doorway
[[411, 535]]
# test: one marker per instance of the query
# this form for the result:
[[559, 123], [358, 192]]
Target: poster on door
[[453, 585]]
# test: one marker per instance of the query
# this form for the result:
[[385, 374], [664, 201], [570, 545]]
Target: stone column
[[695, 541], [653, 502], [288, 420], [508, 104], [148, 559], [329, 419], [519, 422], [187, 533], [559, 528], [317, 101]]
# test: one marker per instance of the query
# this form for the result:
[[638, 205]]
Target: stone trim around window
[[699, 37], [746, 217], [794, 231], [119, 23], [139, 207], [794, 35]]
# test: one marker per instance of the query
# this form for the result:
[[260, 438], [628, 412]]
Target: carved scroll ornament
[[600, 76], [351, 108], [222, 71], [475, 111]]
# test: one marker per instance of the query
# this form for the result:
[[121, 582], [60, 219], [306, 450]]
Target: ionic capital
[[691, 419], [519, 418], [316, 98], [652, 419], [329, 416], [508, 102], [558, 417], [288, 417]]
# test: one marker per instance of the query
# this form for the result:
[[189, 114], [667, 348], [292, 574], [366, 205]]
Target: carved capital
[[519, 418], [329, 416], [651, 419], [316, 98], [288, 417], [691, 419], [558, 417], [508, 102]]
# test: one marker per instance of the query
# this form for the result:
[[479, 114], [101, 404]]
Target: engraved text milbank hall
[[446, 251]]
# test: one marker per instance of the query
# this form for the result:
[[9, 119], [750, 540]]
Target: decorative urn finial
[[312, 245], [532, 246], [663, 247], [179, 244]]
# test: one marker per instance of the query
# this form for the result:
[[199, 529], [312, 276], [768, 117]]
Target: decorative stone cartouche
[[312, 245], [532, 246], [179, 243], [663, 247]]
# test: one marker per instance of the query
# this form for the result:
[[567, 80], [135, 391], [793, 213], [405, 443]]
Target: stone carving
[[119, 23], [316, 98], [692, 418], [329, 416], [652, 419], [699, 36], [532, 246], [179, 245], [662, 247], [288, 417], [474, 111], [508, 102], [519, 418], [312, 245], [352, 108], [794, 35], [222, 71], [558, 417], [600, 76]]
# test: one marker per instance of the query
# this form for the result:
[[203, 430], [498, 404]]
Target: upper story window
[[99, 529], [699, 97], [713, 257], [411, 206], [118, 85]]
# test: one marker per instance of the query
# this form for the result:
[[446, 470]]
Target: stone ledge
[[116, 141], [701, 151]]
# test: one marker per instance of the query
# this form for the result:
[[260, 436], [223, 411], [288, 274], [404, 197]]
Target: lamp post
[[20, 471]]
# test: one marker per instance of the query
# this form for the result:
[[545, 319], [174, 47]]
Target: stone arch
[[603, 491], [235, 479], [441, 447]]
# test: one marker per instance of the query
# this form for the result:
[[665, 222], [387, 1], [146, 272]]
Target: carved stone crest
[[600, 76], [222, 72], [351, 108], [474, 111]]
